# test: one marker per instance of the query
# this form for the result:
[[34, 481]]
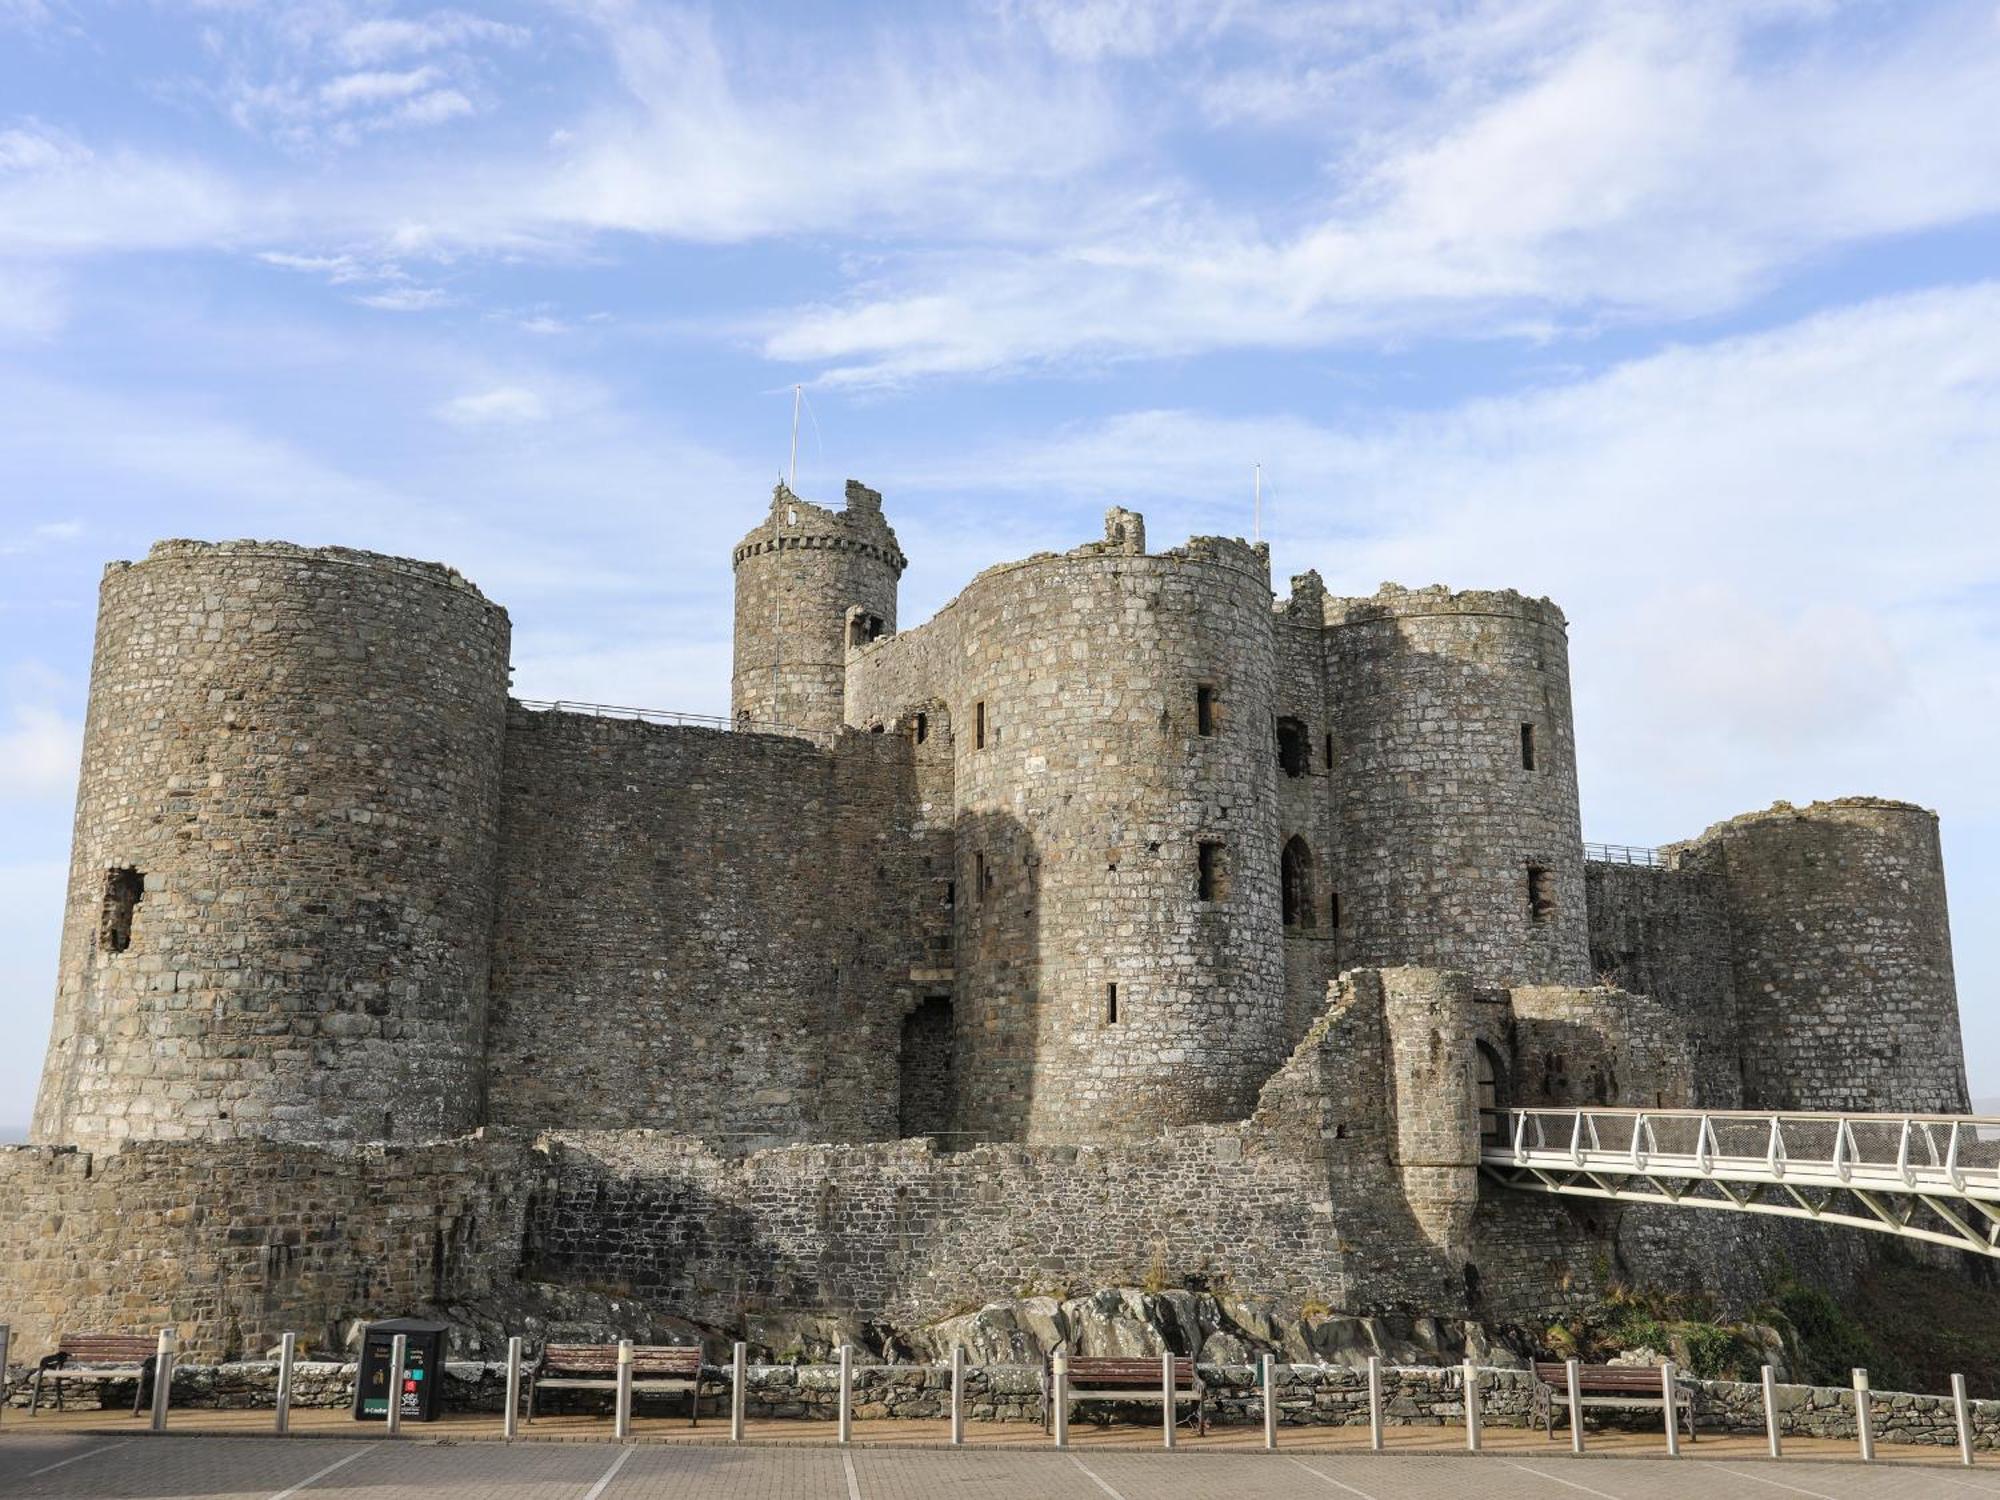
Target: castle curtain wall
[[703, 932]]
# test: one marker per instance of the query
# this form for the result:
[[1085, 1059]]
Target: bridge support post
[[1670, 1398], [1470, 1379], [1270, 1403], [1864, 1429], [1575, 1375], [1771, 1412], [1962, 1410]]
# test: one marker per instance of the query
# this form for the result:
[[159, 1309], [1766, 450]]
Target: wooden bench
[[99, 1357], [656, 1369], [1606, 1385], [1114, 1380]]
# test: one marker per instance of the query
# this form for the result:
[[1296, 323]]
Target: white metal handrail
[[1930, 1177]]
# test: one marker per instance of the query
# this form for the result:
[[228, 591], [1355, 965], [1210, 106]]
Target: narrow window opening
[[1541, 894], [1204, 709], [1329, 752], [1111, 1005], [1334, 911], [979, 725], [123, 890], [1527, 747], [1294, 748], [980, 878], [1210, 883], [923, 727], [1295, 882], [950, 894]]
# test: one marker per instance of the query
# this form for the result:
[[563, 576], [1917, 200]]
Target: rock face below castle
[[1005, 940]]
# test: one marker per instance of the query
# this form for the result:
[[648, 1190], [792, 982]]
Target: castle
[[1117, 893]]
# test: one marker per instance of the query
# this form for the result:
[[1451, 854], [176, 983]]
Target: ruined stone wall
[[1598, 1046], [1842, 950], [799, 574], [1440, 821], [706, 932], [1665, 933], [1084, 793], [281, 880], [236, 1242]]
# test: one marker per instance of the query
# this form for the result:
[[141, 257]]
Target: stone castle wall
[[281, 884], [1441, 820], [705, 932], [1841, 952], [1100, 991], [798, 576]]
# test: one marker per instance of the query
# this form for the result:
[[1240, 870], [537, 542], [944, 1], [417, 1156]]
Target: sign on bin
[[415, 1386]]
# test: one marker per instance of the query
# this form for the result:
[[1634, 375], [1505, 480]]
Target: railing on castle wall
[[1622, 854], [672, 716]]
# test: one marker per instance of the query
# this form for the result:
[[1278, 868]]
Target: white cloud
[[1780, 553], [382, 38], [405, 299], [39, 743], [502, 405], [372, 88], [59, 197]]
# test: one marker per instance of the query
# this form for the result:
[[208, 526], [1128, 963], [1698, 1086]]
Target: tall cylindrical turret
[[1119, 958], [1455, 785], [281, 884], [1845, 997], [810, 583]]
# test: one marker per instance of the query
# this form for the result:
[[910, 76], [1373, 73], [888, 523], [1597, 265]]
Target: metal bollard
[[1961, 1409], [846, 1393], [1575, 1406], [1375, 1402], [1864, 1429], [1270, 1404], [958, 1395], [6, 1338], [1470, 1379], [1669, 1397], [621, 1421], [399, 1350], [1059, 1396], [1167, 1398], [739, 1390], [511, 1427], [1771, 1412], [288, 1348], [163, 1378]]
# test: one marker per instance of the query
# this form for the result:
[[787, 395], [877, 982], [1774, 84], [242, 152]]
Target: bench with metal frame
[[1633, 1386], [1126, 1380], [657, 1369], [99, 1357]]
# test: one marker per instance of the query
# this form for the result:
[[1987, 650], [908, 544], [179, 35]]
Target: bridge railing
[[1957, 1154]]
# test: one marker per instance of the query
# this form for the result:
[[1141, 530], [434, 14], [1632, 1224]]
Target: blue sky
[[1686, 315]]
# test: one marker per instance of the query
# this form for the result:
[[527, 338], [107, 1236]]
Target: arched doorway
[[1492, 1098]]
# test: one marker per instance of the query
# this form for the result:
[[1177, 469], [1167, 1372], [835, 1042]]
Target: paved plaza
[[85, 1461]]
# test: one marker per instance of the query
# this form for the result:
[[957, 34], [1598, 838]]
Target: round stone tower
[[810, 582], [1845, 996], [1118, 920], [1460, 844], [281, 884]]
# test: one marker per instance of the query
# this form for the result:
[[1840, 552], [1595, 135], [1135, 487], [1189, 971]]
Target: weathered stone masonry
[[996, 952]]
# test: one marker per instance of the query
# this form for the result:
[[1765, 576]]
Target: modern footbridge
[[1924, 1177]]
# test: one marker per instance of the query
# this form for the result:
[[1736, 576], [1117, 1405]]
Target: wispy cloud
[[503, 405]]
